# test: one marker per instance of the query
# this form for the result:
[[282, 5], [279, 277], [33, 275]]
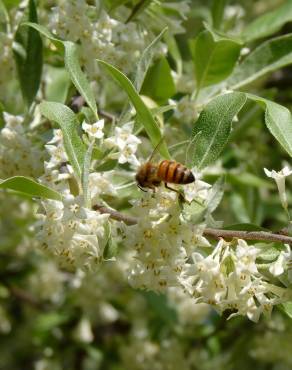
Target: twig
[[115, 215], [214, 233], [248, 235], [106, 115]]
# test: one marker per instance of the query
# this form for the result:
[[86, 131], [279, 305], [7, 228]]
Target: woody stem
[[208, 232]]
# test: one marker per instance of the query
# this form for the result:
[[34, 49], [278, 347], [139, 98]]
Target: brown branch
[[247, 235], [213, 233], [106, 115], [115, 215]]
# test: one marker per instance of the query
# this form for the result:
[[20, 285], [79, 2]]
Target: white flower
[[126, 143], [198, 190], [57, 154], [279, 177], [94, 130], [283, 261], [246, 257], [185, 110], [83, 332], [100, 184]]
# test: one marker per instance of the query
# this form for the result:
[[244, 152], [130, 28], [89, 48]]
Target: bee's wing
[[156, 150]]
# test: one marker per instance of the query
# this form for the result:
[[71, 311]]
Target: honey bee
[[151, 175]]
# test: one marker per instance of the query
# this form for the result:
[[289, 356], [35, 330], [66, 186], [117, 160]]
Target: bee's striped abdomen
[[174, 172]]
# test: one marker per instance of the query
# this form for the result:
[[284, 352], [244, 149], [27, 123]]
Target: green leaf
[[214, 126], [143, 113], [174, 52], [78, 77], [238, 208], [216, 195], [249, 179], [160, 306], [245, 227], [214, 57], [107, 165], [57, 85], [85, 173], [278, 120], [138, 9], [158, 83], [146, 60], [72, 65], [218, 12], [29, 57], [110, 244], [268, 23], [11, 3], [159, 110], [190, 150], [4, 15], [287, 308], [68, 123], [2, 121], [268, 57], [29, 187], [268, 251]]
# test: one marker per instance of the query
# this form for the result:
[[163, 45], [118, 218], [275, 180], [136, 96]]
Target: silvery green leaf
[[214, 126]]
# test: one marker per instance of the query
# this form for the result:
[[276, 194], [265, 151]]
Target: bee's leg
[[168, 187], [140, 187], [180, 194]]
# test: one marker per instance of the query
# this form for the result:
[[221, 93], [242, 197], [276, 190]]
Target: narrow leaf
[[218, 12], [268, 23], [174, 52], [278, 120], [29, 187], [268, 57], [78, 77], [143, 113], [146, 60], [214, 57], [214, 126], [30, 63], [138, 8], [68, 123], [85, 173], [72, 65]]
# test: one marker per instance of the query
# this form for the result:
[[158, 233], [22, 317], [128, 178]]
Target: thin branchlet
[[208, 232]]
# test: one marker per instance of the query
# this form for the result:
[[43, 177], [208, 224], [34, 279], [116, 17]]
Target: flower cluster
[[73, 233], [229, 279], [107, 38], [20, 151], [163, 241]]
